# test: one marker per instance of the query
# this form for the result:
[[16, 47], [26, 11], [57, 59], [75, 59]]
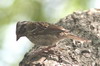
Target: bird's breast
[[43, 39]]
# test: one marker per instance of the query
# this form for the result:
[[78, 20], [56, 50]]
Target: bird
[[43, 33]]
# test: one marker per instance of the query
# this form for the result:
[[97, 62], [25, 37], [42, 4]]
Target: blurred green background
[[12, 11]]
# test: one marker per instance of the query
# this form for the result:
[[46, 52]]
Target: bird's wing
[[53, 29], [46, 28]]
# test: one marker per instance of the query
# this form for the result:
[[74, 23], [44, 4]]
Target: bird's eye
[[22, 29]]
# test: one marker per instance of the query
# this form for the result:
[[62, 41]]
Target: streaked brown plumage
[[44, 34]]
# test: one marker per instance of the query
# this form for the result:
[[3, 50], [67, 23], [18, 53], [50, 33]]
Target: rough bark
[[68, 52]]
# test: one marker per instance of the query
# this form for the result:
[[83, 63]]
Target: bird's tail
[[74, 37]]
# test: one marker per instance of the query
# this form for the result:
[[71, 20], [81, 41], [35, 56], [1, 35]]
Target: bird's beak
[[18, 36]]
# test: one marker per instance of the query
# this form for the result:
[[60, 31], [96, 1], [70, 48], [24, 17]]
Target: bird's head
[[21, 29]]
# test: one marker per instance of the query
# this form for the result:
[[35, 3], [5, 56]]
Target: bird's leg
[[47, 48], [40, 50]]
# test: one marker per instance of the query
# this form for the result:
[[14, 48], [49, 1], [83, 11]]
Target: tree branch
[[85, 24]]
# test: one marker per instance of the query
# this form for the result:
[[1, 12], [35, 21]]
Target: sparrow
[[43, 33]]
